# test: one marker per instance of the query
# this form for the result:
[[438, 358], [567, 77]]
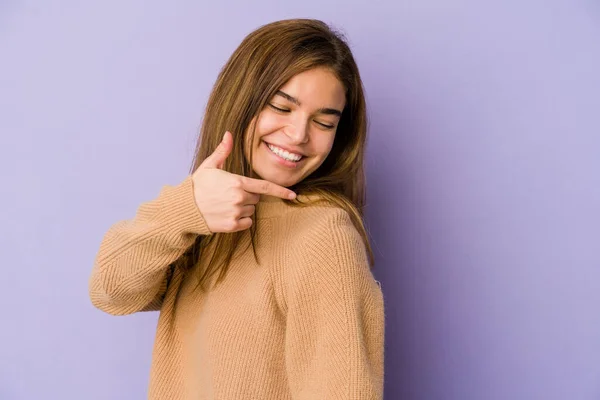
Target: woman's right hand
[[227, 201]]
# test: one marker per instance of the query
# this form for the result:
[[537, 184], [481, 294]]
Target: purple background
[[483, 168]]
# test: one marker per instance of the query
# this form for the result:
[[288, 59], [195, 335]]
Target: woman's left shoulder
[[325, 232], [323, 221]]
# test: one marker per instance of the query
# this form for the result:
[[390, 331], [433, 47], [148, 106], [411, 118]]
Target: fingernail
[[292, 196]]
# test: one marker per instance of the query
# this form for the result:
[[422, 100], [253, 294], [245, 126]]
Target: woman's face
[[295, 132]]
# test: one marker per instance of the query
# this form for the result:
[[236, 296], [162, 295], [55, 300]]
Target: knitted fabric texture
[[305, 322]]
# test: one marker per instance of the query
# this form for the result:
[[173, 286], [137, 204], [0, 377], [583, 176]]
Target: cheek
[[269, 123], [262, 125], [325, 145]]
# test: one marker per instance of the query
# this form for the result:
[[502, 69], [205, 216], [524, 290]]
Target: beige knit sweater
[[305, 323]]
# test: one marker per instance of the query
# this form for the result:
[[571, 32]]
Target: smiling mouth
[[284, 154]]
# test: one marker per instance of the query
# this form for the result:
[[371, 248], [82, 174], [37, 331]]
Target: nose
[[297, 131]]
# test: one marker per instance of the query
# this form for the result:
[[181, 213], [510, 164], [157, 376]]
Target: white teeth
[[284, 154]]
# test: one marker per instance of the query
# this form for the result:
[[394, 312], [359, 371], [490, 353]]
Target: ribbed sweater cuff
[[180, 211]]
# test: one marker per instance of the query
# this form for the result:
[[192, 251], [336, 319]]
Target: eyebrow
[[328, 111]]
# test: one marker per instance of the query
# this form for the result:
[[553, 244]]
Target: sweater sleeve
[[133, 265], [334, 340]]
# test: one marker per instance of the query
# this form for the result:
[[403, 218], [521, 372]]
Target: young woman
[[258, 260]]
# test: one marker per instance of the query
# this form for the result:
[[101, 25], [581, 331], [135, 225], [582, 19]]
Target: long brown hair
[[265, 60]]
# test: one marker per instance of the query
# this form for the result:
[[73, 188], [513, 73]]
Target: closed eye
[[279, 109], [325, 126]]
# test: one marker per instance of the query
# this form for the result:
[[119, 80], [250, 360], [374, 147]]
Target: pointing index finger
[[265, 187]]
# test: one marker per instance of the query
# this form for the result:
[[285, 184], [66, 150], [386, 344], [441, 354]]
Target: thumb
[[218, 157]]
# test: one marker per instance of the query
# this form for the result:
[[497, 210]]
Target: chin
[[278, 179]]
